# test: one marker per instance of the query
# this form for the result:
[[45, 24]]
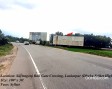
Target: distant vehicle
[[17, 41], [37, 42], [26, 43]]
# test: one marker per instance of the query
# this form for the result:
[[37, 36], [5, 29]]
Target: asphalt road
[[60, 69]]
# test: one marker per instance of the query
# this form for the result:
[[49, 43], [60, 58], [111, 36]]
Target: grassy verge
[[5, 49], [105, 53]]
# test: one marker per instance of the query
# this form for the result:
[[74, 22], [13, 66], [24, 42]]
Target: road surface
[[59, 69]]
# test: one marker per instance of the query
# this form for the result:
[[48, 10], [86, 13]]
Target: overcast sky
[[19, 17]]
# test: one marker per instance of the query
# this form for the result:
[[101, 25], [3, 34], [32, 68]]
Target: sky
[[19, 17]]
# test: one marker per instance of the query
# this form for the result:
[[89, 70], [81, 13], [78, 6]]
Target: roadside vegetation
[[99, 52], [5, 46], [5, 49], [105, 53]]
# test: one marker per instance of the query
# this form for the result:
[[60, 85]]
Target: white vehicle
[[26, 43], [17, 41], [37, 43]]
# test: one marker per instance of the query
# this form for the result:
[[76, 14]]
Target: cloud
[[83, 16], [4, 4], [25, 4], [8, 4]]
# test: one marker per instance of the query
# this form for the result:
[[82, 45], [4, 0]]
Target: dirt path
[[6, 61]]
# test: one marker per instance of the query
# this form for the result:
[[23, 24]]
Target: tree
[[97, 41], [22, 39], [78, 34], [59, 33], [1, 34], [3, 39], [51, 38]]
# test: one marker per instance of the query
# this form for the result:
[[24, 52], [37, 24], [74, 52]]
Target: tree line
[[5, 39], [14, 39], [97, 41]]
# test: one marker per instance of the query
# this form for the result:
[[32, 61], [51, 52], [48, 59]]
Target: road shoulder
[[6, 61]]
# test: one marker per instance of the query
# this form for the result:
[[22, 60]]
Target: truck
[[36, 37], [68, 40]]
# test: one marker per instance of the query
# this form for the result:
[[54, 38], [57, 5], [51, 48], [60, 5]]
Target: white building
[[36, 36]]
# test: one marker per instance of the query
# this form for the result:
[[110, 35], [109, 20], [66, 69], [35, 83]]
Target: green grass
[[105, 53], [5, 49]]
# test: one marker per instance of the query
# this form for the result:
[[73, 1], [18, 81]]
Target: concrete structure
[[68, 40], [36, 36]]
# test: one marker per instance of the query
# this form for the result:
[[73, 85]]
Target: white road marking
[[36, 69]]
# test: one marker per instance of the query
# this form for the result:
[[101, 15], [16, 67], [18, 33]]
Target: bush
[[3, 39]]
